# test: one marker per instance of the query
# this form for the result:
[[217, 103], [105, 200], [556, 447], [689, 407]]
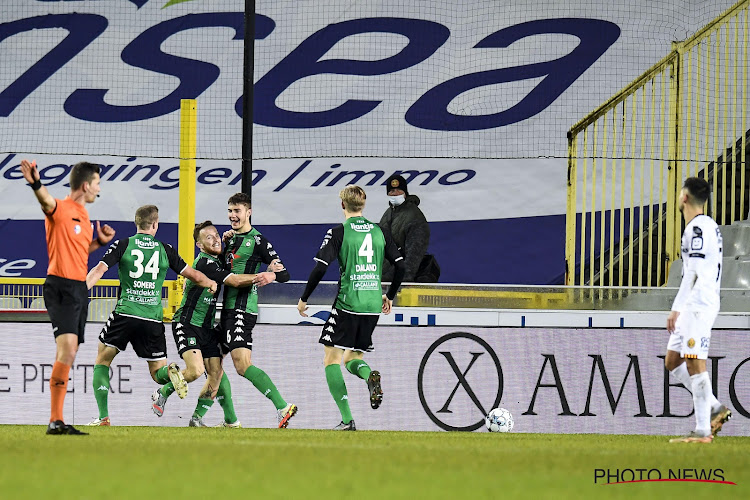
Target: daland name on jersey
[[360, 268]]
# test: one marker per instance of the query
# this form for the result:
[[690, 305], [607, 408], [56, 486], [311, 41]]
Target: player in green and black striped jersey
[[142, 262], [360, 246], [246, 252], [198, 340]]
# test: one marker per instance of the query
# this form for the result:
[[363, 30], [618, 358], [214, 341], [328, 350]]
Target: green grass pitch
[[216, 463]]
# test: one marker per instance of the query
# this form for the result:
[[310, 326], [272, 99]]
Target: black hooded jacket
[[410, 231]]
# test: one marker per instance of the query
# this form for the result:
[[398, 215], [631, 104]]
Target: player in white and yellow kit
[[694, 310]]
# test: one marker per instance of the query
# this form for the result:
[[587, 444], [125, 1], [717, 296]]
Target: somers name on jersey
[[144, 284]]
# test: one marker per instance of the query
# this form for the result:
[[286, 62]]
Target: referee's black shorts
[[67, 303]]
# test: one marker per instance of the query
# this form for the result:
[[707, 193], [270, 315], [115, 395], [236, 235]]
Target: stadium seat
[[100, 309], [736, 239], [37, 303], [675, 274], [10, 303], [736, 272], [735, 301]]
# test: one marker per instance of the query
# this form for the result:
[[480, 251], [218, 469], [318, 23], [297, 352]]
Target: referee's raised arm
[[31, 174]]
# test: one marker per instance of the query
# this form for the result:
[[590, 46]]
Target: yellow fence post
[[188, 149], [570, 221], [672, 249]]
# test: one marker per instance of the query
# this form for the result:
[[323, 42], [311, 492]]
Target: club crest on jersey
[[691, 343], [77, 229]]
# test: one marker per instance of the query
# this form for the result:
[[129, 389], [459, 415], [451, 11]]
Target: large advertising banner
[[609, 381], [470, 101]]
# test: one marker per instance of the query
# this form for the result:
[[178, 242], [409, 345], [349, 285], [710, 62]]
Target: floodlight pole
[[247, 98]]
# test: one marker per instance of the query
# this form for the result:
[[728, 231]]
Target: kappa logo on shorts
[[330, 329], [691, 343], [238, 338], [180, 347], [332, 321], [238, 330], [180, 339], [327, 338]]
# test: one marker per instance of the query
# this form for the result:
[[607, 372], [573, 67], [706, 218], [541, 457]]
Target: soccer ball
[[499, 420]]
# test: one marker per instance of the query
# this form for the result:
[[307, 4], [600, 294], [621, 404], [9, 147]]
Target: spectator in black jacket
[[410, 231]]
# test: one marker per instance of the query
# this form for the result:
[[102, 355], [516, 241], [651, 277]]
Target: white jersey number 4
[[366, 249]]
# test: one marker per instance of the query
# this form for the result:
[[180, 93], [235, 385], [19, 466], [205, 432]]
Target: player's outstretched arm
[[199, 279], [240, 280], [95, 274], [315, 276], [31, 175]]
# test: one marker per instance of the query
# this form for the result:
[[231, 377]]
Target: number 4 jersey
[[360, 246], [142, 262]]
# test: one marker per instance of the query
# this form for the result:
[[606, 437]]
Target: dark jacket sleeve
[[415, 245]]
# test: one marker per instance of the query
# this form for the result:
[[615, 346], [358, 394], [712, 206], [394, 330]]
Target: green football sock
[[167, 389], [224, 397], [337, 386], [101, 388], [202, 407], [162, 375], [263, 383], [359, 368]]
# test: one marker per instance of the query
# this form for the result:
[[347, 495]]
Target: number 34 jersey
[[702, 252], [142, 262]]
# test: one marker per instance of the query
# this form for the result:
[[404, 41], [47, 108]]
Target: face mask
[[397, 200]]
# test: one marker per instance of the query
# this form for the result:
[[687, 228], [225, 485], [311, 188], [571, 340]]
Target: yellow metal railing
[[685, 116], [25, 295]]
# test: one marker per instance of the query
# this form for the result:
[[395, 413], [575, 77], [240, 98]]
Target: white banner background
[[293, 359]]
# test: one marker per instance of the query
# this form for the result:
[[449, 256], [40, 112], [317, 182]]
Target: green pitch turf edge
[[216, 463]]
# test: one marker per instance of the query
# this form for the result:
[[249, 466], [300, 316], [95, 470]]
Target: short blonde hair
[[146, 215], [353, 198]]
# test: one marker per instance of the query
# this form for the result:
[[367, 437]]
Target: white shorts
[[692, 335]]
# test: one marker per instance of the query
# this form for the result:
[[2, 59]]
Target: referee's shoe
[[59, 427]]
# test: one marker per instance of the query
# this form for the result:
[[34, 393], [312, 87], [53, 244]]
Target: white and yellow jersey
[[702, 253]]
